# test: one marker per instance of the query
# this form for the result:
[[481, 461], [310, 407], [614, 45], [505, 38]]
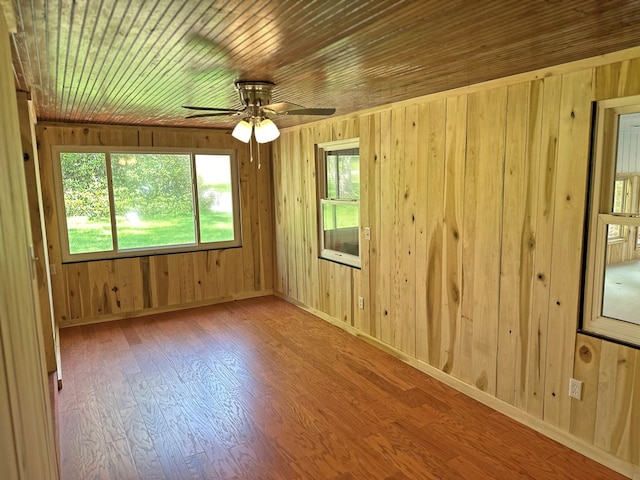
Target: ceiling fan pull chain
[[258, 156], [251, 150]]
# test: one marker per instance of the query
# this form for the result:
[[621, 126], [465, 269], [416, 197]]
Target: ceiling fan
[[255, 96]]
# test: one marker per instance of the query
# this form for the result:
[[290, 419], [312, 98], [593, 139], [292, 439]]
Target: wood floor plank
[[70, 459], [121, 464], [172, 461], [259, 389], [142, 449]]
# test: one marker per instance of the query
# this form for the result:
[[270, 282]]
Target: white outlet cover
[[575, 389]]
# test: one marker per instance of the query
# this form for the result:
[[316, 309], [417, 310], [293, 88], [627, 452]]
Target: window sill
[[341, 258]]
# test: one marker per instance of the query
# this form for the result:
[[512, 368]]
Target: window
[[118, 203], [339, 201], [612, 280]]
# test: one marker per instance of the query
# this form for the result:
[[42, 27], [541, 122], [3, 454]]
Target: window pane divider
[[628, 219], [195, 198], [112, 210]]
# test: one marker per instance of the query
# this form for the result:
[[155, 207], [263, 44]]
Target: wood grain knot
[[541, 276], [455, 293], [481, 382], [585, 354]]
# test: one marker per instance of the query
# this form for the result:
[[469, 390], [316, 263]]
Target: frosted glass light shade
[[242, 131], [266, 131]]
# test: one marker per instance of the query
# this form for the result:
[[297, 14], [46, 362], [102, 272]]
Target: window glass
[[86, 201], [341, 230], [620, 298], [619, 196], [215, 197], [343, 174], [152, 199]]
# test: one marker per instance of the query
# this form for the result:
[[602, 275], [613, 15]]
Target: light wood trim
[[34, 191]]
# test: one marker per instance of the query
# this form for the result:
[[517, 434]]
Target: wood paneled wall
[[476, 201], [27, 448], [108, 289]]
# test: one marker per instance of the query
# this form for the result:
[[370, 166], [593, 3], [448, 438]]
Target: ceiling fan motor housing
[[255, 95]]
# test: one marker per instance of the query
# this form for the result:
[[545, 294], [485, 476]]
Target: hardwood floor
[[259, 389]]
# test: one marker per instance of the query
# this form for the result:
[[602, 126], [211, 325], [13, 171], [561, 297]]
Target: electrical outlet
[[367, 233], [52, 268], [360, 302], [575, 389]]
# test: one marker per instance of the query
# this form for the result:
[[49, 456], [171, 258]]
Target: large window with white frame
[[338, 182], [612, 280], [122, 202]]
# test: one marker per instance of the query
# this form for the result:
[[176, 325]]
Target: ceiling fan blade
[[312, 111], [215, 114], [213, 109], [281, 107]]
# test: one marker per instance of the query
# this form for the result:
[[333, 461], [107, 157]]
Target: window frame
[[321, 187], [603, 177], [115, 253]]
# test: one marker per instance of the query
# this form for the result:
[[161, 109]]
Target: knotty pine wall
[[476, 201], [109, 289], [26, 431]]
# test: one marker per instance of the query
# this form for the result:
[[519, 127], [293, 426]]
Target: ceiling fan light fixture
[[242, 131], [266, 131]]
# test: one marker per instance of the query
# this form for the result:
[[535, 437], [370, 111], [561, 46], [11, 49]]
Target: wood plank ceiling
[[136, 62]]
